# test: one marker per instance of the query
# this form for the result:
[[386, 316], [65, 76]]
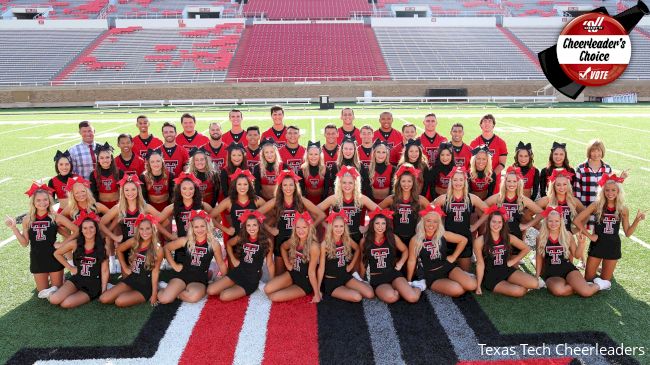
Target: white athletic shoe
[[420, 284], [118, 267], [111, 264], [603, 284], [45, 293], [165, 265], [109, 285], [162, 284], [357, 276], [541, 283]]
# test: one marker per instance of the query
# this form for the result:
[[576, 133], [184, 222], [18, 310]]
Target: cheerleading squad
[[368, 213]]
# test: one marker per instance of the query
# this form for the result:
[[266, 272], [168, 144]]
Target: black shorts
[[467, 251], [277, 242], [605, 249], [179, 255], [562, 270], [140, 283], [42, 261], [386, 277], [495, 275], [90, 286], [405, 239], [302, 281], [330, 284], [442, 272], [192, 276], [247, 279], [356, 236]]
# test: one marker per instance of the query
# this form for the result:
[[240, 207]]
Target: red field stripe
[[538, 361], [216, 333], [292, 333]]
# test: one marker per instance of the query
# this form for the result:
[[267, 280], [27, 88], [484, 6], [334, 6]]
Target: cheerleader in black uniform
[[191, 279], [81, 199], [40, 228], [90, 271], [458, 205], [236, 160], [406, 202], [158, 183], [441, 168], [414, 156], [139, 282], [429, 247], [554, 245], [63, 168], [300, 254], [349, 199], [558, 159], [339, 256], [251, 248], [482, 179], [380, 173], [201, 166], [495, 265], [267, 171], [605, 247], [314, 184], [349, 157], [287, 202], [379, 247], [241, 198]]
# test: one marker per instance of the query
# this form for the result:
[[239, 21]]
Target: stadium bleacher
[[306, 9]]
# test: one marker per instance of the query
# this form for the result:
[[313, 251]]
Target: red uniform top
[[269, 178], [58, 183], [462, 155], [105, 184], [393, 138], [496, 145], [253, 157], [364, 155], [396, 153], [197, 140], [207, 188], [442, 180], [355, 135], [382, 180], [140, 146], [133, 166], [279, 137], [330, 157], [430, 146], [158, 186], [218, 156], [293, 157], [175, 159], [229, 137], [529, 178]]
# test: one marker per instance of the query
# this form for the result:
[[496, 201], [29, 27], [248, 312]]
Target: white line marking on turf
[[252, 337], [644, 168], [8, 240], [575, 141], [614, 125], [5, 180], [636, 239], [19, 129], [406, 121], [313, 129]]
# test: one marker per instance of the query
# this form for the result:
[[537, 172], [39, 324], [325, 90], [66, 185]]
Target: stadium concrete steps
[[75, 62], [519, 44]]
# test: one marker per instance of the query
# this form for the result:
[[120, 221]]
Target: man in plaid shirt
[[83, 154], [589, 173]]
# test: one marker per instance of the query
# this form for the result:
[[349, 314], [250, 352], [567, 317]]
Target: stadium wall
[[174, 23], [339, 91], [44, 24]]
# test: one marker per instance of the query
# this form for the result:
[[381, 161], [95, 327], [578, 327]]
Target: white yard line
[[7, 241], [5, 180], [614, 125], [313, 129], [644, 168], [19, 129]]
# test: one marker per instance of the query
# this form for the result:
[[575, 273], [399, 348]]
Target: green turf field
[[29, 139]]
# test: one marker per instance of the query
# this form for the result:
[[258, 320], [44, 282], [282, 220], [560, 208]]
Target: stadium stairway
[[644, 32], [75, 62], [519, 44]]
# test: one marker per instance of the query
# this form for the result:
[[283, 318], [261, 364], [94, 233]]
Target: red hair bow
[[254, 213], [549, 209], [238, 172], [287, 173], [516, 171], [133, 178], [500, 209], [76, 180], [603, 180], [35, 187], [304, 215], [404, 169], [558, 173], [432, 209], [83, 215], [385, 212], [146, 217], [333, 215], [187, 175], [200, 213], [456, 169], [348, 170]]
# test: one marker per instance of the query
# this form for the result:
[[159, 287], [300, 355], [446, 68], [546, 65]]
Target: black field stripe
[[343, 336], [144, 345], [422, 338], [487, 333]]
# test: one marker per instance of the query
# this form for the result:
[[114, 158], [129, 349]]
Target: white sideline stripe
[[614, 125], [313, 129], [19, 129], [7, 241], [171, 345], [48, 147], [644, 168], [636, 239], [406, 121], [252, 337], [573, 140], [5, 180]]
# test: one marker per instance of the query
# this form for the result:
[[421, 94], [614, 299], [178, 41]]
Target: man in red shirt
[[330, 148], [364, 150], [144, 141], [253, 149], [430, 139], [462, 152], [236, 132], [190, 138], [293, 154], [217, 149], [277, 132], [348, 130], [175, 156], [495, 144], [386, 133], [408, 132], [128, 161]]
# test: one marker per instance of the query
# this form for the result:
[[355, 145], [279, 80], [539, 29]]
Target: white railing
[[200, 102], [456, 99]]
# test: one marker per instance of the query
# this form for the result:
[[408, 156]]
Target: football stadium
[[318, 181]]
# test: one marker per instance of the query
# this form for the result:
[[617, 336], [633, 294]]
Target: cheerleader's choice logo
[[594, 49]]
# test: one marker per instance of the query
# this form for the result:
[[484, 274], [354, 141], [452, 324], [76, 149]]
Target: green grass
[[623, 312]]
